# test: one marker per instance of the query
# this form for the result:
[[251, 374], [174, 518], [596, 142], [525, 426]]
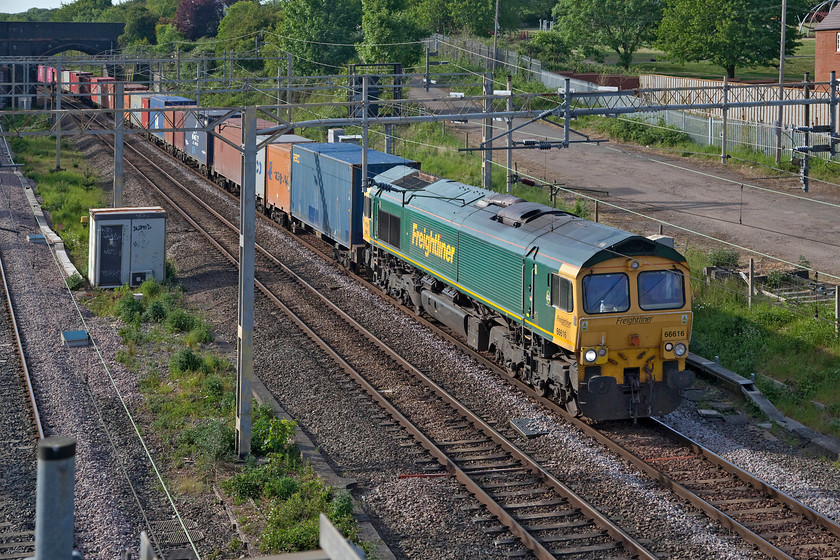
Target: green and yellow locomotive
[[596, 317]]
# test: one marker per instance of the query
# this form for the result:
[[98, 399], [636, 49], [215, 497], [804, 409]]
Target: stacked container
[[164, 119]]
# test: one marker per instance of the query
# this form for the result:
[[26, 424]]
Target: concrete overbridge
[[35, 41]]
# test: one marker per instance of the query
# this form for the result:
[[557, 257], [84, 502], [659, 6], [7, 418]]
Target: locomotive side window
[[606, 293], [661, 289], [388, 229], [561, 293], [367, 209]]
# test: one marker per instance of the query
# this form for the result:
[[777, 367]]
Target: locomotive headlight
[[679, 349], [669, 346], [590, 355]]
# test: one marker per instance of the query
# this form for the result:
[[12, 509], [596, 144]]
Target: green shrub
[[179, 320], [641, 131], [270, 434], [281, 488], [150, 288], [201, 333], [724, 258], [76, 282], [209, 442], [185, 360], [155, 312], [129, 309], [245, 485]]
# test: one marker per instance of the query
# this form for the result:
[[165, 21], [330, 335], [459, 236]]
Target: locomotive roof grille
[[521, 213]]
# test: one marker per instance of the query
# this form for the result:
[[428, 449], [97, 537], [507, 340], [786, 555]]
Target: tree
[[321, 34], [198, 18], [622, 26], [242, 27], [390, 34], [550, 49], [139, 27], [81, 10], [728, 33]]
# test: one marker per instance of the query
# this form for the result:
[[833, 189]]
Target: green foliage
[[729, 34], [779, 278], [390, 34], [550, 48], [640, 131], [244, 22], [270, 434], [178, 320], [208, 442], [139, 26], [82, 11], [622, 26], [319, 33], [75, 282], [129, 309], [185, 360], [724, 258], [201, 333], [155, 312]]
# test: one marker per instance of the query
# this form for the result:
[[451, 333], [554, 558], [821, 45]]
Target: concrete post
[[58, 117], [245, 338], [365, 109], [198, 85], [486, 134], [289, 84], [724, 112], [751, 284], [509, 159], [119, 137], [836, 310], [54, 501]]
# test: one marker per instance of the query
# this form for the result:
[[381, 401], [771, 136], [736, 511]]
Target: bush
[[179, 321], [75, 282], [269, 434], [155, 313], [246, 485], [724, 258], [129, 309], [641, 131], [209, 442], [185, 360], [200, 333]]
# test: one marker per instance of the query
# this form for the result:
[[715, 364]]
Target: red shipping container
[[227, 160], [128, 89], [99, 92], [144, 116], [175, 119]]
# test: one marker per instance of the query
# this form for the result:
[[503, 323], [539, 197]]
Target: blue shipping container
[[198, 144], [156, 118], [327, 187]]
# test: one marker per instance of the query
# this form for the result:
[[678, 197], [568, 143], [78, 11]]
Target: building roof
[[831, 22]]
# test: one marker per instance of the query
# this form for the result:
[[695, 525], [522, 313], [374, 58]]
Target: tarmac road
[[698, 200]]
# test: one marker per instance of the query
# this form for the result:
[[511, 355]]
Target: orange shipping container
[[278, 177]]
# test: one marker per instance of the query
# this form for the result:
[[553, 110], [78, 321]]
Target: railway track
[[21, 428], [486, 463], [530, 512], [21, 431], [776, 524]]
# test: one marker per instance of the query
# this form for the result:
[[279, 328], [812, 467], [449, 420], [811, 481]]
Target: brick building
[[827, 47]]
